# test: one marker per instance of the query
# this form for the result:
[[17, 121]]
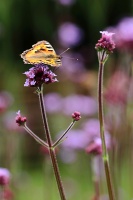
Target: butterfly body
[[42, 52]]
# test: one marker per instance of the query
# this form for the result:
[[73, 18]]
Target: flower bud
[[20, 120], [76, 116]]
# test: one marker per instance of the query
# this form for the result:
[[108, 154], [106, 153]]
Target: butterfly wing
[[41, 52]]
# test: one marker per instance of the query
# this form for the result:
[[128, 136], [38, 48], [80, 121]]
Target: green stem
[[51, 149], [101, 120]]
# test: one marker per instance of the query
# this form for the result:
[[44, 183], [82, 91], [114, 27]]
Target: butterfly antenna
[[64, 51], [70, 58], [66, 56]]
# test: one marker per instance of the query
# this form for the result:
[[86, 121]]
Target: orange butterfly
[[41, 52]]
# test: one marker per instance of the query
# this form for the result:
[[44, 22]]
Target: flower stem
[[101, 120], [2, 190], [51, 149], [39, 140], [62, 136], [96, 185]]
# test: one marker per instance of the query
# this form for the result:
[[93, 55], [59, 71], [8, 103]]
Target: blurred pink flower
[[4, 176], [77, 139], [116, 91], [53, 102], [69, 34], [66, 2], [8, 194], [84, 104], [6, 100], [124, 33], [92, 130], [92, 127], [9, 122], [95, 147]]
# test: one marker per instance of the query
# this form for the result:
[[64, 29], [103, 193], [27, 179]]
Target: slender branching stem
[[102, 134], [62, 136], [51, 149], [39, 140]]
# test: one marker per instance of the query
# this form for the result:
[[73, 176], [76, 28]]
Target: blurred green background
[[22, 24]]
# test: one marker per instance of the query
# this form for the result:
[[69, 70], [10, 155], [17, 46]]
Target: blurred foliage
[[24, 22]]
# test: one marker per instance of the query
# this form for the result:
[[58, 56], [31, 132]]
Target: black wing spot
[[43, 49], [39, 50]]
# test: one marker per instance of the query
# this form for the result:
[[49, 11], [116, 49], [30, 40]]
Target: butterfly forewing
[[41, 52]]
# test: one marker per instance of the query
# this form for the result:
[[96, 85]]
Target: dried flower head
[[38, 75], [20, 120]]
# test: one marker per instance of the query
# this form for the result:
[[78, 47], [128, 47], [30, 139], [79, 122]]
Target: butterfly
[[41, 52]]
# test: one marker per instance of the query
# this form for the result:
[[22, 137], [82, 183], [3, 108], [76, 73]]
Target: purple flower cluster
[[105, 42], [38, 75]]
